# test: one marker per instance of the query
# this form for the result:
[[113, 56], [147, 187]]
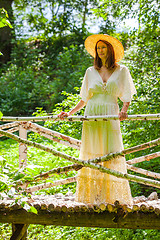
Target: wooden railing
[[82, 118], [24, 124], [144, 214]]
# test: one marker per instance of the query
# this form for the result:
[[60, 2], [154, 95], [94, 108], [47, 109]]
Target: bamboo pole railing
[[76, 167], [81, 118], [43, 176], [24, 123], [14, 129], [144, 158], [53, 135], [104, 158], [143, 146], [58, 170], [73, 179], [143, 171], [9, 125], [91, 164], [75, 144], [51, 184]]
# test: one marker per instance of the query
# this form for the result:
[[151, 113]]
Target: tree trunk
[[6, 33], [85, 13]]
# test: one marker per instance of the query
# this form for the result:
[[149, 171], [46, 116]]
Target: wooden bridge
[[63, 209]]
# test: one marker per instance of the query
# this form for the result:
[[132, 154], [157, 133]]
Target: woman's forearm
[[79, 105], [125, 106]]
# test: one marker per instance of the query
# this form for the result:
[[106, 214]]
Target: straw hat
[[91, 41]]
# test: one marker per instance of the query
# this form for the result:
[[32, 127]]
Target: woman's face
[[102, 50]]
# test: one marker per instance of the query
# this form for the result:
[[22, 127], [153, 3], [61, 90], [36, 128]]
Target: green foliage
[[4, 18], [9, 175], [72, 129], [143, 62], [69, 70], [5, 182], [1, 115], [23, 90], [50, 17], [37, 162], [39, 79], [82, 233]]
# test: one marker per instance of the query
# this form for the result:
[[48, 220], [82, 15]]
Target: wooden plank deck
[[65, 211]]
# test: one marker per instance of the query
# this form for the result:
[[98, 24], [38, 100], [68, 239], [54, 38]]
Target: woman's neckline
[[105, 82]]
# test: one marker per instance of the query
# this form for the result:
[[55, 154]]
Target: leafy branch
[[3, 23]]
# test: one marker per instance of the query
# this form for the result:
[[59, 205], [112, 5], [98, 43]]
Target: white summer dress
[[103, 137]]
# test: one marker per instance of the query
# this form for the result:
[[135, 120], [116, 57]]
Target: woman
[[102, 85]]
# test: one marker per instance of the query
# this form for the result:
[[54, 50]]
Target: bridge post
[[22, 147], [19, 231]]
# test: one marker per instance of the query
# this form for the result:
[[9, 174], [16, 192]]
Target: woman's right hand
[[62, 115]]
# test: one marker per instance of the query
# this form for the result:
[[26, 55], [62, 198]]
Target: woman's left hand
[[122, 115]]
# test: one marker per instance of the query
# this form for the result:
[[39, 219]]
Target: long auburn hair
[[110, 61]]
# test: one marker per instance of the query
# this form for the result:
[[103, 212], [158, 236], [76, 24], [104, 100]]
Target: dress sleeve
[[127, 88], [84, 88]]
